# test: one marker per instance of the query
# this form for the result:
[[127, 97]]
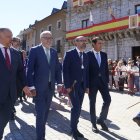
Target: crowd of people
[[124, 74], [80, 72]]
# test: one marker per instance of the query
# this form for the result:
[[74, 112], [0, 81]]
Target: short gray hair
[[45, 32]]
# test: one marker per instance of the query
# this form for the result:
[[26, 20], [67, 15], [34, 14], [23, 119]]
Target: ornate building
[[117, 22], [55, 22]]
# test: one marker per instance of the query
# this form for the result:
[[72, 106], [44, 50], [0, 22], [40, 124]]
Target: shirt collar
[[2, 46], [95, 51], [78, 50], [45, 47]]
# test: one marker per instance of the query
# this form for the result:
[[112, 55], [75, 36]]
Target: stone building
[[55, 22], [117, 22]]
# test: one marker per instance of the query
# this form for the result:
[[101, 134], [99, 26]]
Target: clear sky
[[18, 14]]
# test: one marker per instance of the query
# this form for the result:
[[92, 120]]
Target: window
[[85, 23], [59, 24], [137, 9], [50, 28], [58, 45]]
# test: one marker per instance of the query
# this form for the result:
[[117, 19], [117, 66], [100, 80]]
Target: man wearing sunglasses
[[75, 74]]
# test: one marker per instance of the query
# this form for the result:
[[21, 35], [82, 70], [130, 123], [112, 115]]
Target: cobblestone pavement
[[119, 120]]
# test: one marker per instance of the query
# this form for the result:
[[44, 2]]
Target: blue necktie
[[98, 59]]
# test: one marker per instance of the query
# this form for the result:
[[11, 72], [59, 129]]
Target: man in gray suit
[[43, 72], [10, 68]]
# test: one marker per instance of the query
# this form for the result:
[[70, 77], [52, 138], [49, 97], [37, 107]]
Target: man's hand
[[69, 90], [27, 91], [33, 92], [87, 90], [59, 88]]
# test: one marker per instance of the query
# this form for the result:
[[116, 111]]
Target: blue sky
[[18, 14]]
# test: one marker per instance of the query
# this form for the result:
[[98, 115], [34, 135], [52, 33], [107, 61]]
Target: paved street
[[119, 120]]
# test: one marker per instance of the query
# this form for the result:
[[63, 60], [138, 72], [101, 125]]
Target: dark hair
[[95, 39], [15, 39]]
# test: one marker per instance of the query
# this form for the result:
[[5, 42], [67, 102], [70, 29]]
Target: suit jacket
[[95, 71], [8, 86], [39, 70], [72, 69]]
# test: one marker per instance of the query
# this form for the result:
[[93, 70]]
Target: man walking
[[98, 81], [43, 71], [75, 74], [10, 68]]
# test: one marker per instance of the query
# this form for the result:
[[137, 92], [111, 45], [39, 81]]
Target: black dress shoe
[[95, 129], [103, 125], [137, 120], [80, 134]]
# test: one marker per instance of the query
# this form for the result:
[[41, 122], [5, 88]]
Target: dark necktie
[[81, 59], [7, 58], [82, 67]]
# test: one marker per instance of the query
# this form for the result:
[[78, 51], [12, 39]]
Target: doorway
[[135, 52]]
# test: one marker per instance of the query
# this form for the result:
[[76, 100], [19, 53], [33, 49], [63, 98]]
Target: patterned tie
[[48, 54], [7, 59], [98, 59]]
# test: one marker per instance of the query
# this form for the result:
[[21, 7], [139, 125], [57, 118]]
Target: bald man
[[43, 72], [10, 68], [75, 74]]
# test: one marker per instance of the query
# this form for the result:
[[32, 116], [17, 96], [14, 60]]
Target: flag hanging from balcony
[[110, 10], [91, 22]]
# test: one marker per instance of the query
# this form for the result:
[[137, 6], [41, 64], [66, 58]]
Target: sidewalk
[[119, 120]]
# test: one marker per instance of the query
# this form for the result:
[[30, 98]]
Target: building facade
[[117, 22], [56, 23]]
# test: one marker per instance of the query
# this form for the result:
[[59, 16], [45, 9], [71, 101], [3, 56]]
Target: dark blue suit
[[8, 86], [98, 80], [38, 76], [72, 72]]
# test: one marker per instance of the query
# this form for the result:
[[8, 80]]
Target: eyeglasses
[[47, 38]]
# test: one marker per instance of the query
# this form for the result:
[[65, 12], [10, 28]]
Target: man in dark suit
[[10, 68], [75, 74], [98, 81], [43, 71]]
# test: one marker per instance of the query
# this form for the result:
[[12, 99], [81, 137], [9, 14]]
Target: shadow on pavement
[[111, 125], [85, 115], [110, 135], [58, 122], [28, 107], [20, 130], [56, 106]]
